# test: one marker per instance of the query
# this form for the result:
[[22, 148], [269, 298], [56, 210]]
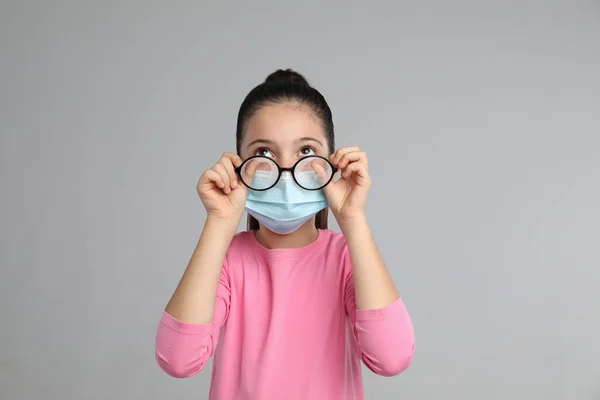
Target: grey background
[[481, 120]]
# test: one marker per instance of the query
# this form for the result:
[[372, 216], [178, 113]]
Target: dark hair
[[283, 86]]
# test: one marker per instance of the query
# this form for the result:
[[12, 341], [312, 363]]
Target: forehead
[[283, 123]]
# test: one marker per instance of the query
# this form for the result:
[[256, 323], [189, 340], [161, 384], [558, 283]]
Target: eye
[[307, 151], [264, 152]]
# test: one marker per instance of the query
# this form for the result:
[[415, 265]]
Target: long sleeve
[[183, 349], [385, 336]]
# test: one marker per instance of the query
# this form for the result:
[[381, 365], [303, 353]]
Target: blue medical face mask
[[286, 206]]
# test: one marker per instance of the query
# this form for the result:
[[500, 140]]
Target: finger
[[213, 176], [234, 158], [335, 157], [340, 153], [322, 174], [353, 156], [228, 164], [249, 171], [220, 169], [359, 170]]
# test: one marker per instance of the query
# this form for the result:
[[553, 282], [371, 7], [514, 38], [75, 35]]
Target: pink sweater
[[286, 326]]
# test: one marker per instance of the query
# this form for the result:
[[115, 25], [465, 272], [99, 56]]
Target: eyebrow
[[308, 139], [261, 141]]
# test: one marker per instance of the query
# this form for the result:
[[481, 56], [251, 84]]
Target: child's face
[[285, 133]]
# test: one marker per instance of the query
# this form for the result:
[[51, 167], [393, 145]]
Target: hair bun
[[286, 76]]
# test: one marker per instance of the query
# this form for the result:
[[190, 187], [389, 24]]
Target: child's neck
[[304, 236]]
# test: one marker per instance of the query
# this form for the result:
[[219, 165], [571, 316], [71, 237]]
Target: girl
[[288, 308]]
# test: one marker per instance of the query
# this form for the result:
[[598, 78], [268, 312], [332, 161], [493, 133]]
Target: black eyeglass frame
[[238, 170]]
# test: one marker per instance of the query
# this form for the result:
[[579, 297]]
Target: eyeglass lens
[[310, 173]]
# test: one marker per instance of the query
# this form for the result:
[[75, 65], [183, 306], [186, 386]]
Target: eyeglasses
[[262, 173]]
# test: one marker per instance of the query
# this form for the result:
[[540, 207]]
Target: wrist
[[351, 222], [228, 224]]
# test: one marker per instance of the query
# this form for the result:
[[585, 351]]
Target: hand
[[220, 190], [347, 197]]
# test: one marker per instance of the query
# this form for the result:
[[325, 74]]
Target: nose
[[287, 162]]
